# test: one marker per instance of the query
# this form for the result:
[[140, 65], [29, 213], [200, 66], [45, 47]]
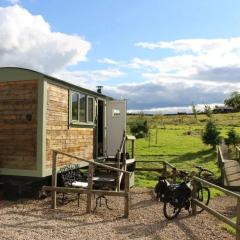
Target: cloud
[[28, 41], [194, 45], [108, 61], [156, 93], [89, 79], [223, 74], [11, 1], [194, 57]]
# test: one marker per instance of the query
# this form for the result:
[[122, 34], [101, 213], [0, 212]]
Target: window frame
[[93, 109], [78, 122]]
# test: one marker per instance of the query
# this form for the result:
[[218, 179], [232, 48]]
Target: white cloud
[[193, 56], [89, 79], [194, 45], [28, 41], [108, 61]]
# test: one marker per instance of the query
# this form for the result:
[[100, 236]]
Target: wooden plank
[[83, 191], [217, 214], [217, 187], [238, 220], [54, 180], [194, 196], [127, 197], [95, 163], [90, 185], [141, 161], [149, 169]]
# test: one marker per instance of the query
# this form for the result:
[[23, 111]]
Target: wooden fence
[[221, 163], [163, 170], [238, 153], [54, 189], [216, 214]]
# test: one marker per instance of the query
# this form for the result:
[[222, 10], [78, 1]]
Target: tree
[[139, 129], [232, 138], [211, 135], [233, 101], [208, 110], [194, 110]]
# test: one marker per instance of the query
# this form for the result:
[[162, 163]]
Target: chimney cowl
[[99, 89]]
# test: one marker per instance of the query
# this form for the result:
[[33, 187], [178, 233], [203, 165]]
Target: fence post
[[127, 195], [90, 184], [174, 175], [164, 169], [54, 180], [118, 173], [194, 196], [238, 219]]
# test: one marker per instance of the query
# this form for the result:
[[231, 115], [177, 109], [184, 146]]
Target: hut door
[[116, 125]]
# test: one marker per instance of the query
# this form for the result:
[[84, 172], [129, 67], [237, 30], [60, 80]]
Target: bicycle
[[178, 196]]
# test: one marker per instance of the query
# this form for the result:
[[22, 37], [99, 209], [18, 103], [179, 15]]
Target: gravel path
[[33, 219]]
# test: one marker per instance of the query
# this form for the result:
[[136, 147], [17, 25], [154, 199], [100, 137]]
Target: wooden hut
[[39, 113]]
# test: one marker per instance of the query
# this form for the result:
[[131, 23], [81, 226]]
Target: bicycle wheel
[[169, 211], [203, 196]]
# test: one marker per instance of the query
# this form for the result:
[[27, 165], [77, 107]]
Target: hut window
[[90, 109], [82, 107], [75, 106]]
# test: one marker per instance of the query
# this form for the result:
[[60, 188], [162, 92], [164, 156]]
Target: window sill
[[81, 125]]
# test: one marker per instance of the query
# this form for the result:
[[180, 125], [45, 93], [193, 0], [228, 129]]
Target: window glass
[[90, 109], [82, 108], [75, 104]]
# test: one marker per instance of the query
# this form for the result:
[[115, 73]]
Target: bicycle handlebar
[[204, 170]]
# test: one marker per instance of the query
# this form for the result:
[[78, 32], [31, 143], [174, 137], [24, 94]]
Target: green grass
[[229, 228], [171, 142]]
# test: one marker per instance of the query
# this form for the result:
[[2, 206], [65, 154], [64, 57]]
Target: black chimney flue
[[99, 89]]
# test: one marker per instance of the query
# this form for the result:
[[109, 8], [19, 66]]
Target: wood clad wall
[[18, 124], [75, 140]]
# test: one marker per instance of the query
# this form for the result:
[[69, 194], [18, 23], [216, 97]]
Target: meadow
[[177, 139]]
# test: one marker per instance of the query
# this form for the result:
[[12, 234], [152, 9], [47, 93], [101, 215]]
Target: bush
[[232, 138], [139, 129], [211, 135]]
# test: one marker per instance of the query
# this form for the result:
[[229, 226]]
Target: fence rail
[[210, 210], [89, 191], [163, 170]]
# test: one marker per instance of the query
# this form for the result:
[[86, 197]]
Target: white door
[[116, 114]]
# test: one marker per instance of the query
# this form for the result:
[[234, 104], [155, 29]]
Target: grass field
[[177, 139]]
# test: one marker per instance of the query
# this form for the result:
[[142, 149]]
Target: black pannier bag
[[174, 193], [162, 189], [180, 194]]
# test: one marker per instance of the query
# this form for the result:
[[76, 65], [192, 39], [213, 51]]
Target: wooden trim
[[20, 172], [41, 126]]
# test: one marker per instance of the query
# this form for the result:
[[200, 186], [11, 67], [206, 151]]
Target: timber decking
[[231, 170]]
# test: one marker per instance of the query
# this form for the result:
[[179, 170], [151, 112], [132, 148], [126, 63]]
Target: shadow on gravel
[[139, 231]]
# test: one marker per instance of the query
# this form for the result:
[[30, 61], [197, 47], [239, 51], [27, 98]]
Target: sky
[[161, 55]]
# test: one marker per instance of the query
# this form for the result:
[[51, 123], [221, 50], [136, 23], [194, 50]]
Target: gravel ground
[[33, 219]]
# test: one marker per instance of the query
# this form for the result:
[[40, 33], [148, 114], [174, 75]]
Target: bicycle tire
[[167, 206], [203, 195]]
